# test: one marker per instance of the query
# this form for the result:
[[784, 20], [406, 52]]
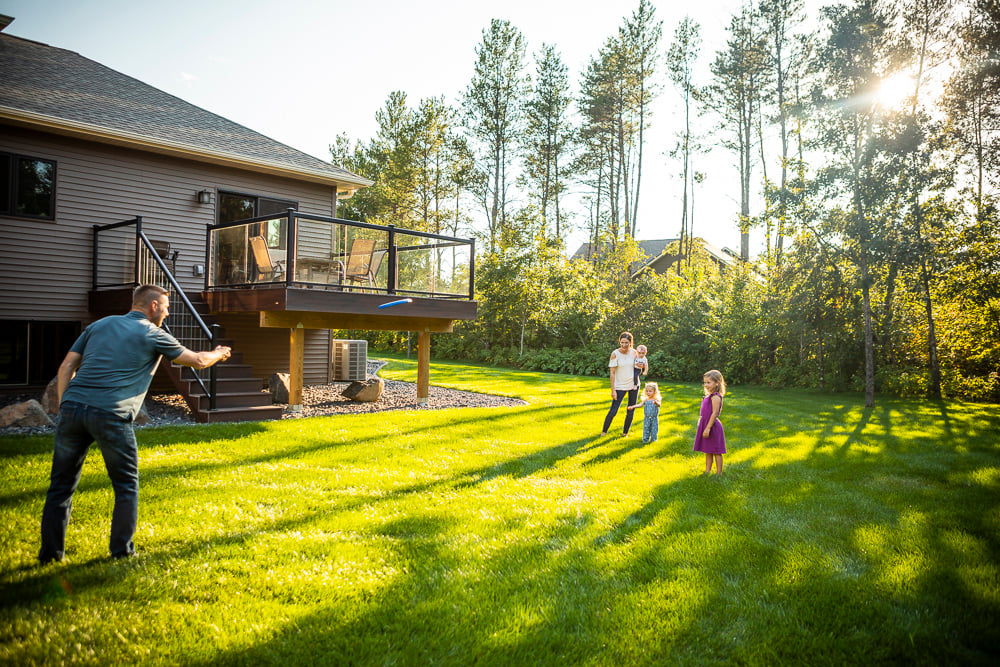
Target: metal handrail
[[209, 331]]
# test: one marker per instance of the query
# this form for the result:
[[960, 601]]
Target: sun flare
[[895, 91]]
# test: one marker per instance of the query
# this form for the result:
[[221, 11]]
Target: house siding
[[45, 265], [267, 350]]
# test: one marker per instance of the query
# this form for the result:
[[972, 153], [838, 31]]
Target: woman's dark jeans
[[633, 396], [79, 426]]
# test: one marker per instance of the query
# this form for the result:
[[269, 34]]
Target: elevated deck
[[291, 307]]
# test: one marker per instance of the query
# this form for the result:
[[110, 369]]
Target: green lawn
[[518, 536]]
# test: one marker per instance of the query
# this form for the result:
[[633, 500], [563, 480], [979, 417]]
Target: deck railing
[[125, 257], [325, 253]]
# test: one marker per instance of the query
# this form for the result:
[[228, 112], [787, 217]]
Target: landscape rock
[[26, 413], [279, 386], [365, 391], [49, 401], [142, 417]]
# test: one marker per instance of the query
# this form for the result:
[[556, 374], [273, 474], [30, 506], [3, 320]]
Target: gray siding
[[45, 266]]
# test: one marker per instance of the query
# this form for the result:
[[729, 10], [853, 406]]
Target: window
[[28, 187], [31, 351], [234, 206]]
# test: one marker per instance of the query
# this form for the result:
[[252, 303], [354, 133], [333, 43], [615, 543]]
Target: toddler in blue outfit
[[650, 412]]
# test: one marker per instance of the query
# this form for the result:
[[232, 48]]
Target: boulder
[[49, 401], [142, 417], [28, 413], [279, 387], [365, 391]]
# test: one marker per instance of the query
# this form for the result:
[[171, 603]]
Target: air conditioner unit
[[349, 360]]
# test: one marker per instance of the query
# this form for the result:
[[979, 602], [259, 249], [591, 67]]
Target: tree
[[493, 112], [431, 130], [388, 160], [681, 58], [925, 24], [642, 34], [615, 92], [739, 71], [972, 99], [780, 18], [547, 137], [858, 55]]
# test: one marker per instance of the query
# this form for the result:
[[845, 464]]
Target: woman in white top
[[622, 365]]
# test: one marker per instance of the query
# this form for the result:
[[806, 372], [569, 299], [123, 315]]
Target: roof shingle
[[63, 85]]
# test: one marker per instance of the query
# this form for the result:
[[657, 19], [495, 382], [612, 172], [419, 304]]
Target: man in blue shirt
[[101, 385]]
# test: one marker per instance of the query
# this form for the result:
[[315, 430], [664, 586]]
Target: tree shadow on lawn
[[297, 447], [883, 574], [546, 601], [703, 572], [675, 588]]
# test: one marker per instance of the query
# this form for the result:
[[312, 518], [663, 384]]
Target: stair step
[[238, 399], [226, 369], [258, 413], [228, 385]]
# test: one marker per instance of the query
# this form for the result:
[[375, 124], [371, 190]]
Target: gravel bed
[[317, 400]]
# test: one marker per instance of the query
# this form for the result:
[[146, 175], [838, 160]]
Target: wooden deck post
[[423, 367], [296, 355]]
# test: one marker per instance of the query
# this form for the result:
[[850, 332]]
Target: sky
[[304, 71]]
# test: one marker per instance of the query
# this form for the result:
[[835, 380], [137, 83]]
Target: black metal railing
[[301, 249], [125, 257]]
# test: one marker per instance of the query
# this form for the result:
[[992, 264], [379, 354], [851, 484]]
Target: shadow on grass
[[715, 570], [846, 549]]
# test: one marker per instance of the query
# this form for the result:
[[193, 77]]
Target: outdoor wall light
[[204, 197]]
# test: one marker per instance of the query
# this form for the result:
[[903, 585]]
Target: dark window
[[28, 186], [14, 352], [5, 180], [234, 206], [31, 351]]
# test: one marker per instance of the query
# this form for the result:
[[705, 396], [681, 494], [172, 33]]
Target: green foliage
[[884, 271]]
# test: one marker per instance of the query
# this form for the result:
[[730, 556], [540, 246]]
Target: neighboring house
[[661, 254], [83, 146]]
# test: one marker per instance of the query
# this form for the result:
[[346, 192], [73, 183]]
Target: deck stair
[[240, 395]]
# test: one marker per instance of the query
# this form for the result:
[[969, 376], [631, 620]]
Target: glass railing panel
[[319, 247], [115, 261], [248, 254], [432, 266], [364, 259], [339, 254]]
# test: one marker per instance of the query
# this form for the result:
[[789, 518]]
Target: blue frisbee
[[395, 303]]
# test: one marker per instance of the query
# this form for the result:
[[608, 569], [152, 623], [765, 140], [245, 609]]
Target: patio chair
[[162, 249], [266, 270], [360, 267]]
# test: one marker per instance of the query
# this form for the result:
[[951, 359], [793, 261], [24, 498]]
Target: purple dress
[[716, 442]]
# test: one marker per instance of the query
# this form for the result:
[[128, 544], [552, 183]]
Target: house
[[661, 254], [109, 182]]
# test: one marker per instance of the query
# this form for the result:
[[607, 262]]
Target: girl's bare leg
[[718, 464], [708, 463]]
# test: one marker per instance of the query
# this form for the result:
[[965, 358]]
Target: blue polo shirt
[[120, 355]]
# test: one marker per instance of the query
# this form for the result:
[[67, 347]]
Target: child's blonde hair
[[716, 377], [656, 391]]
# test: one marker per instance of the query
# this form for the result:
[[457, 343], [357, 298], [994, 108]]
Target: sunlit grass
[[519, 536]]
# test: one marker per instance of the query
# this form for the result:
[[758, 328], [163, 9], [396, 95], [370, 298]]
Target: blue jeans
[[619, 395], [80, 426]]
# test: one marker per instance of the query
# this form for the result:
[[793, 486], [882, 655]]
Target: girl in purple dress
[[710, 438]]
